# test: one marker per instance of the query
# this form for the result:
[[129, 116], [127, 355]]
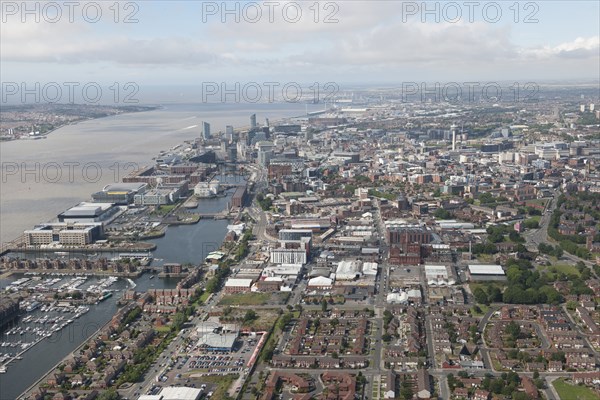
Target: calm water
[[40, 358], [35, 194], [185, 243], [192, 243], [41, 178]]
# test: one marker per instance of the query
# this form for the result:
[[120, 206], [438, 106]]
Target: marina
[[46, 313], [65, 279], [44, 352]]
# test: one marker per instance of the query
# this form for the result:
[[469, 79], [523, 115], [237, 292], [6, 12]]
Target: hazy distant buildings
[[264, 156], [229, 133], [232, 153], [253, 121], [265, 152], [206, 130], [288, 128], [453, 129]]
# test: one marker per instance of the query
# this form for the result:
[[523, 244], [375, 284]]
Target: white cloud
[[366, 40], [578, 48]]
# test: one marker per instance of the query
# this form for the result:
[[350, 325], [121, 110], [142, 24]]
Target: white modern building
[[207, 189], [348, 270], [289, 256], [62, 233]]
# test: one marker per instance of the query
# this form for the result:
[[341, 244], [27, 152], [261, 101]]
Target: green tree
[[350, 189], [250, 316], [494, 294], [110, 394], [496, 386], [387, 317], [558, 356], [531, 224], [441, 213], [481, 296], [284, 320], [485, 198], [513, 329]]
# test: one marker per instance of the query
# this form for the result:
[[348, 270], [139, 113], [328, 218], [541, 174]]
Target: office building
[[264, 156], [206, 130], [289, 256], [70, 234], [294, 234], [229, 133], [453, 130]]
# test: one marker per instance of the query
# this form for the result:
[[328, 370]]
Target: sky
[[183, 43]]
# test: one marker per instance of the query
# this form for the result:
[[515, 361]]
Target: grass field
[[537, 202], [483, 309], [223, 382], [486, 258], [164, 209], [245, 299], [567, 391], [204, 296], [564, 268]]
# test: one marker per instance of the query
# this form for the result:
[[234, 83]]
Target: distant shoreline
[[125, 110]]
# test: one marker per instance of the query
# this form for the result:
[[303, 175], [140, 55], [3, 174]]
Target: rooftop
[[484, 269], [237, 282], [180, 393]]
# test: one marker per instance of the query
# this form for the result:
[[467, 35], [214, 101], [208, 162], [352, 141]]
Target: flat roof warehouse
[[481, 269], [482, 272]]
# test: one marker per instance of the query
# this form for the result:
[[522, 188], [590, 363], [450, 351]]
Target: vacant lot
[[245, 299], [254, 299], [223, 383]]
